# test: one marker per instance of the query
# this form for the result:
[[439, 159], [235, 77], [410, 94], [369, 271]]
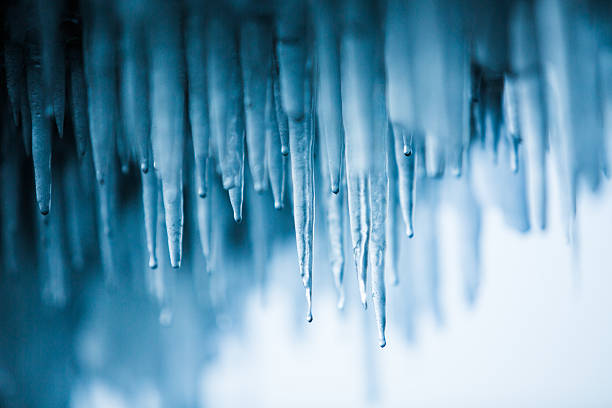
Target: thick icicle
[[329, 101], [255, 57], [301, 135], [378, 206], [78, 97], [358, 47], [531, 110], [41, 129], [134, 90], [291, 54], [168, 119], [225, 99], [195, 48], [398, 63], [100, 74], [406, 180], [334, 208], [275, 161], [149, 201], [53, 60]]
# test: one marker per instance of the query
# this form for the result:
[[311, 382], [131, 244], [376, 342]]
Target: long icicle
[[255, 57], [168, 113]]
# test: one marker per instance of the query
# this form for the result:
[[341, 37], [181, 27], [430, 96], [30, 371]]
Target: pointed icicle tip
[[382, 342], [335, 188], [278, 205], [144, 167], [410, 231]]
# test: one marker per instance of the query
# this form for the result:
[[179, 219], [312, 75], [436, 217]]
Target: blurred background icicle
[[160, 125]]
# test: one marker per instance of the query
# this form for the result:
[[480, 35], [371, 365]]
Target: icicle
[[99, 61], [134, 89], [204, 213], [378, 206], [78, 98], [274, 159], [329, 102], [510, 107], [225, 99], [406, 180], [41, 130], [195, 43], [531, 109], [168, 114], [255, 56], [398, 64], [149, 201], [358, 46], [291, 54], [301, 134], [392, 220], [53, 60], [333, 205]]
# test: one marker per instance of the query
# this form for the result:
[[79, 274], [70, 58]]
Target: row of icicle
[[384, 87]]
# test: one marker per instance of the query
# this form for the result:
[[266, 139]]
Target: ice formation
[[146, 121]]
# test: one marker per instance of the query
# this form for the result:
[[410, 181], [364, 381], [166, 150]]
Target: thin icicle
[[204, 213], [301, 134], [392, 220], [168, 114], [329, 101], [333, 204], [100, 74], [255, 57], [78, 98], [274, 159], [41, 130], [149, 201], [195, 47], [406, 180]]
